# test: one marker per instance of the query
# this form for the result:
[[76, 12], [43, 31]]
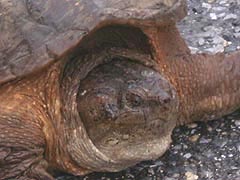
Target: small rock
[[177, 147], [207, 174], [230, 16], [238, 147], [220, 143], [158, 163], [237, 123], [224, 133], [230, 155], [187, 156], [191, 176], [176, 175], [223, 2], [210, 129], [213, 29], [211, 1], [225, 43], [236, 35], [151, 171], [193, 131], [223, 156], [216, 48], [234, 168], [168, 178], [213, 16], [193, 50], [201, 41], [194, 138], [173, 163], [218, 40], [219, 9], [206, 5], [204, 141], [221, 15], [237, 29]]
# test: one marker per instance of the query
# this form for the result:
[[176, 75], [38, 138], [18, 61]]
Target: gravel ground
[[200, 151]]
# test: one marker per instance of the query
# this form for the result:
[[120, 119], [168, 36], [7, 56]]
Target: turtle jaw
[[129, 145], [134, 136]]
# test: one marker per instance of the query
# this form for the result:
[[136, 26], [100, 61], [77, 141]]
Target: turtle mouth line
[[121, 119]]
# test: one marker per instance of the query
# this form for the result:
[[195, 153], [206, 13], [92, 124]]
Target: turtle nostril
[[163, 100], [166, 100]]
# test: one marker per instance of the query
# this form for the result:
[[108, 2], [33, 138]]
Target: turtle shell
[[34, 33]]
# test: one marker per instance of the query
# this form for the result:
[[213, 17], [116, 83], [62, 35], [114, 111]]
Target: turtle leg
[[22, 148], [23, 164], [38, 172]]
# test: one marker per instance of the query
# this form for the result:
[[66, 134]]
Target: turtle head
[[129, 111]]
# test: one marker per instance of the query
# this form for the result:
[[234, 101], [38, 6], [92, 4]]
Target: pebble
[[238, 147], [216, 48], [206, 5], [191, 176], [237, 123], [237, 29], [187, 156], [209, 128], [211, 1], [221, 15], [177, 147], [201, 41], [204, 141], [230, 16], [207, 174], [236, 35], [213, 16], [194, 138], [219, 9]]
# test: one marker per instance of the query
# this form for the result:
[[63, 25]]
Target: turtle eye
[[133, 99]]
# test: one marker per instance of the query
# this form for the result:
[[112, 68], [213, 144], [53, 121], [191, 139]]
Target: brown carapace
[[99, 85]]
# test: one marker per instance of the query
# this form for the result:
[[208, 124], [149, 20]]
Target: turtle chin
[[129, 144]]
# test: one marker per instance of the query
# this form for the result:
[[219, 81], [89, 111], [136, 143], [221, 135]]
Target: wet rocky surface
[[202, 150], [212, 25]]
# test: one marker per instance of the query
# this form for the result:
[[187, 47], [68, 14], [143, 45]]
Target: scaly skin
[[23, 115], [32, 136], [207, 85], [36, 136]]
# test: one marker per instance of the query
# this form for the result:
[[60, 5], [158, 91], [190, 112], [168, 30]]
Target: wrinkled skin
[[108, 102]]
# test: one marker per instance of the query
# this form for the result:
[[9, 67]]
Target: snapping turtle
[[99, 85]]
